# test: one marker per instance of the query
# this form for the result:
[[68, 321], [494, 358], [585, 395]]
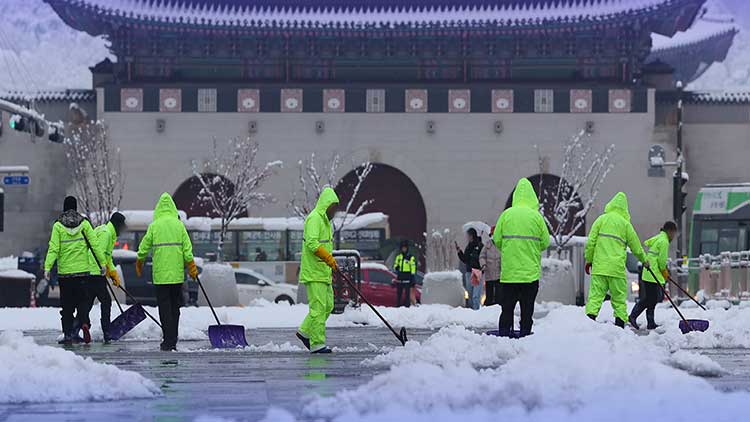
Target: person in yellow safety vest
[[405, 267], [650, 294], [172, 252], [520, 235], [106, 237], [68, 247], [605, 253], [316, 269]]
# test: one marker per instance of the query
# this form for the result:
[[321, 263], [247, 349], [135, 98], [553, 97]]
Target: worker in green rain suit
[[520, 235], [172, 251], [316, 268], [650, 293], [606, 252]]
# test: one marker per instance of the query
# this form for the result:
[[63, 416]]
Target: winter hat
[[70, 203], [117, 220]]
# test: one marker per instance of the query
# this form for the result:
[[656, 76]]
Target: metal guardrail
[[722, 276]]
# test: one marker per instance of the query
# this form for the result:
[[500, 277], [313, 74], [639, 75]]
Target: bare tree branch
[[96, 168], [230, 182]]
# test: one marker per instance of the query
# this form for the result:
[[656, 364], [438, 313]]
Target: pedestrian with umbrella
[[172, 251]]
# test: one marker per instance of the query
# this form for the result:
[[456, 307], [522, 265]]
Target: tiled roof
[[703, 29], [719, 97], [68, 95], [370, 13]]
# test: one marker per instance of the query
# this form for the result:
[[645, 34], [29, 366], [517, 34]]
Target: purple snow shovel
[[223, 336], [686, 325], [128, 319]]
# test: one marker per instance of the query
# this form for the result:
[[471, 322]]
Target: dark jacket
[[470, 255]]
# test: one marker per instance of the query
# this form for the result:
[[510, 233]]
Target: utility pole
[[678, 182]]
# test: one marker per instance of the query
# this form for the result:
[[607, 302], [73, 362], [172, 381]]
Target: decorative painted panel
[[248, 101], [170, 100], [416, 101], [334, 101], [291, 100], [580, 101], [620, 100], [131, 100], [459, 101], [502, 101]]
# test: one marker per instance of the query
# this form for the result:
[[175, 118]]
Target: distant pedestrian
[[472, 277], [260, 255], [489, 260], [650, 293], [606, 251], [106, 237], [172, 250], [520, 235], [405, 268], [316, 271], [75, 266]]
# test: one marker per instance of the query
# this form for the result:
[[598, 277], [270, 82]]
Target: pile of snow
[[9, 269], [555, 265], [565, 372], [124, 254], [444, 276], [41, 374]]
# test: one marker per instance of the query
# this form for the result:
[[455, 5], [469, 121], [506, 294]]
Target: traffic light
[[679, 196], [19, 123], [55, 135]]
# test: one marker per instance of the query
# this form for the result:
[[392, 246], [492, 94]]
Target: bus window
[[205, 244], [262, 245], [709, 241], [728, 240]]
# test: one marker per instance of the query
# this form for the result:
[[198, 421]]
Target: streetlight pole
[[678, 173]]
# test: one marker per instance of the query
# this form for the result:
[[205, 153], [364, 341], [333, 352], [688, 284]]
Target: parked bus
[[721, 220], [264, 239]]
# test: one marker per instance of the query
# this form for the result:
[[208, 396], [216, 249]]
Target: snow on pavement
[[571, 369], [42, 374]]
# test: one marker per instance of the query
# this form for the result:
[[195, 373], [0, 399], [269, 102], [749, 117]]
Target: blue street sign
[[16, 180]]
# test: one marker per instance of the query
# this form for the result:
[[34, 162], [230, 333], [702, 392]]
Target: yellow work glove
[[112, 274], [138, 268], [665, 273], [326, 257], [192, 270]]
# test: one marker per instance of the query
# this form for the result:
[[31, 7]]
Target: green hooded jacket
[[609, 237], [318, 232], [658, 254], [521, 235], [68, 247], [106, 236], [170, 242]]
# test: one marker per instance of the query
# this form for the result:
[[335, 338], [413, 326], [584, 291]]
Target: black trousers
[[649, 295], [169, 299], [512, 293], [491, 292], [74, 301], [97, 289], [402, 288]]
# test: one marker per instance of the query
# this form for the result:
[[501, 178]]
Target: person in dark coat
[[470, 257]]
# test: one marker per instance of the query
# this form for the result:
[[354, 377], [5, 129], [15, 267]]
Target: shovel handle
[[686, 293], [139, 304], [114, 297], [667, 295], [198, 279], [354, 287]]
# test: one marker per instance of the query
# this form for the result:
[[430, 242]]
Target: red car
[[379, 285]]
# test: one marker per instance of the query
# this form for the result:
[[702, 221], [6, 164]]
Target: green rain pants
[[320, 298], [618, 292]]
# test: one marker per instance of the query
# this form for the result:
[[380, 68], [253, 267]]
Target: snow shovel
[[223, 336], [515, 334], [686, 325], [401, 335], [128, 319], [686, 293]]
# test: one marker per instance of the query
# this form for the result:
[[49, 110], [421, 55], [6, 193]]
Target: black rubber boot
[[634, 323], [650, 319], [620, 323], [592, 317], [305, 341]]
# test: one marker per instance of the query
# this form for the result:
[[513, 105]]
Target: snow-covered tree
[[311, 184], [440, 250], [566, 203], [95, 166], [231, 181]]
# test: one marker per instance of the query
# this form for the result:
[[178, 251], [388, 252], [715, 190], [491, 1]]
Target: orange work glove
[[138, 268], [192, 270], [665, 273], [326, 257], [112, 274]]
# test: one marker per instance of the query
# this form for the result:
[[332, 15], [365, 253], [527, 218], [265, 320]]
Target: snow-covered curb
[[39, 374]]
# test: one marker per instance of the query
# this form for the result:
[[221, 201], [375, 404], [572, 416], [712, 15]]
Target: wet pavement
[[243, 384], [236, 384]]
